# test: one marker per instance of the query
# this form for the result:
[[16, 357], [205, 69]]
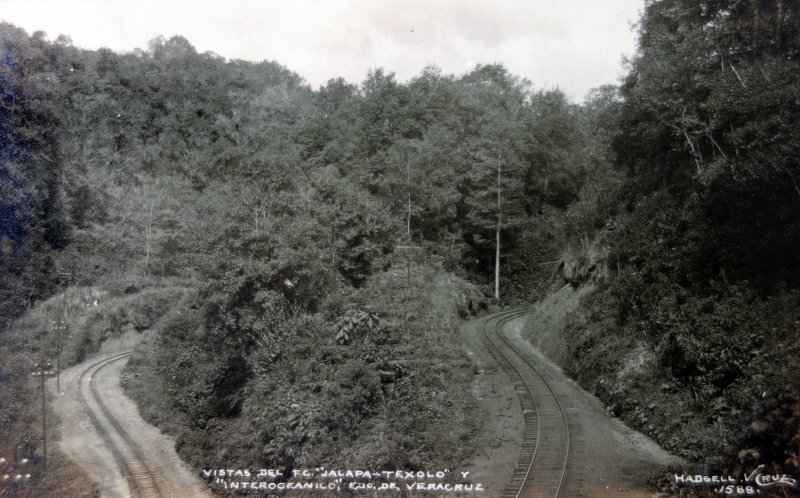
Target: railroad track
[[142, 481], [545, 449]]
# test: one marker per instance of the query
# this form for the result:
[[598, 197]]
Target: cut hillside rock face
[[550, 316]]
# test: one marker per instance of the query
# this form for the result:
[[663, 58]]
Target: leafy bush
[[243, 375]]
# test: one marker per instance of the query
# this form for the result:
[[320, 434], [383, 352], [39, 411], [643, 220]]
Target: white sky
[[573, 44]]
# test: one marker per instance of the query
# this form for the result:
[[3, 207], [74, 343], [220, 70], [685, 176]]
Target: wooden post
[[44, 424], [42, 373]]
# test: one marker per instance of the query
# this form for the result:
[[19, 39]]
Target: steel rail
[[530, 447], [142, 481]]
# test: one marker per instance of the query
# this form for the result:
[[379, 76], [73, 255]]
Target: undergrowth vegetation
[[80, 319], [281, 391], [699, 360]]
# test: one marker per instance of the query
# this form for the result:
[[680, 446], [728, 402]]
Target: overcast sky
[[573, 44]]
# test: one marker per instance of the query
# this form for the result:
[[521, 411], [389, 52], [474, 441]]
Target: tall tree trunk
[[497, 244], [408, 186], [756, 24], [149, 236], [738, 76]]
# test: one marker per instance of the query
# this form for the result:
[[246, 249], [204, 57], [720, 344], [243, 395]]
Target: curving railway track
[[142, 481], [542, 465]]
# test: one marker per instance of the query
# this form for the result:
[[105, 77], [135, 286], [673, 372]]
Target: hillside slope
[[716, 429]]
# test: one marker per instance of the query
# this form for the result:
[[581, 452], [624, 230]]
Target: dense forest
[[279, 248]]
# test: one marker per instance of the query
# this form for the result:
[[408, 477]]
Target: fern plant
[[353, 322]]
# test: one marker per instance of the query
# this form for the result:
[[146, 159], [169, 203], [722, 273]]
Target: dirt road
[[606, 458], [104, 454]]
